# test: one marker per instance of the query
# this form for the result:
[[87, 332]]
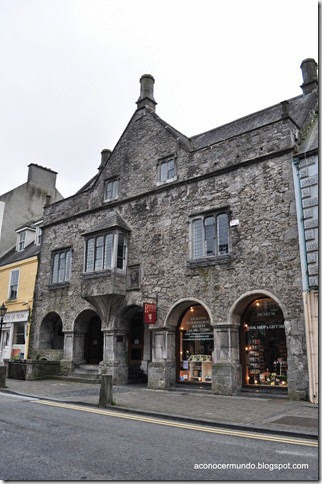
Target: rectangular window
[[111, 189], [13, 287], [100, 252], [38, 236], [167, 170], [21, 241], [209, 236], [61, 269], [19, 334]]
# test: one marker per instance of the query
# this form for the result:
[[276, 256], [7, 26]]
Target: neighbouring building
[[204, 230], [18, 269], [306, 169], [26, 202]]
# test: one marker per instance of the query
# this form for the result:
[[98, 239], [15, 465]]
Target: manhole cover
[[298, 421]]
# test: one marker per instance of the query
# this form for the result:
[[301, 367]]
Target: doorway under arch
[[263, 348], [88, 338], [194, 346]]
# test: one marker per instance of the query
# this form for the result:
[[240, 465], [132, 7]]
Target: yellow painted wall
[[26, 284]]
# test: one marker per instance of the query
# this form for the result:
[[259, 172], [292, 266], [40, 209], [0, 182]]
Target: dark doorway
[[93, 343], [136, 347]]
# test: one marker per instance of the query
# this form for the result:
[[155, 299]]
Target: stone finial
[[310, 76], [146, 98]]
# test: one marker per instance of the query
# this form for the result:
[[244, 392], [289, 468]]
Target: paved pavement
[[251, 412]]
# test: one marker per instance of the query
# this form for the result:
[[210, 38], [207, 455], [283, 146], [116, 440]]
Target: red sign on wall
[[150, 313]]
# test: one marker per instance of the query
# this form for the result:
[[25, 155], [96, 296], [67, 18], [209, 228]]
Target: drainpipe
[[300, 223]]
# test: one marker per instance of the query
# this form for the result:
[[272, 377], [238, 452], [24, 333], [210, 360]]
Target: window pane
[[55, 268], [210, 235], [19, 337], [163, 171], [13, 285], [120, 252], [115, 188], [170, 169], [61, 270], [99, 247], [222, 229], [68, 265], [108, 251], [90, 255], [197, 239], [108, 190]]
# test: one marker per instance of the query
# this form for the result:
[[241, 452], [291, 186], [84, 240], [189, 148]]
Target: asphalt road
[[45, 442]]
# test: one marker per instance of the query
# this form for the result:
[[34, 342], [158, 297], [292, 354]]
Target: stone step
[[81, 378], [87, 369]]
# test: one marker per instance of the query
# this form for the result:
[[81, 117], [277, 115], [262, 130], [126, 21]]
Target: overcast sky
[[71, 69]]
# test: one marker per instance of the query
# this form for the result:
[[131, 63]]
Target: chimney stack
[[310, 76], [146, 98]]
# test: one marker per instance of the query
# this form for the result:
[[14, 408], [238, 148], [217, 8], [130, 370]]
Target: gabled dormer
[[25, 236]]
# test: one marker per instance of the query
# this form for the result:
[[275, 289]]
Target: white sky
[[71, 70]]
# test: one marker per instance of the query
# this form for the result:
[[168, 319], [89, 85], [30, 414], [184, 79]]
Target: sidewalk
[[277, 415]]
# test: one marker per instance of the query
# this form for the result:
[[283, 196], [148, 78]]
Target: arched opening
[[88, 338], [51, 332], [263, 349], [194, 346], [137, 372]]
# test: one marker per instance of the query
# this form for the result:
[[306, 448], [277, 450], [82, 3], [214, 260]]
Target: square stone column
[[115, 355], [67, 364], [162, 369], [226, 372]]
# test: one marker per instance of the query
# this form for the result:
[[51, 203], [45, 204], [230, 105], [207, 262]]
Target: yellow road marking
[[200, 428]]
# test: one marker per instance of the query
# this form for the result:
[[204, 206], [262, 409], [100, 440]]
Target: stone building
[[204, 229], [25, 203], [305, 171]]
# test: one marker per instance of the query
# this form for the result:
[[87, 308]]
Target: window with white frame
[[111, 189], [61, 266], [209, 235], [106, 251], [167, 170], [21, 241], [13, 285], [38, 235]]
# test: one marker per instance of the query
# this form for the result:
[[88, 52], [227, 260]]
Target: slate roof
[[113, 219], [311, 140], [13, 256], [297, 108]]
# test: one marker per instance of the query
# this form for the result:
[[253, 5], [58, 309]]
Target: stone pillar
[[162, 369], [115, 355], [66, 363], [296, 359], [226, 372]]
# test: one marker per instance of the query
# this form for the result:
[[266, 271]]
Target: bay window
[[105, 251]]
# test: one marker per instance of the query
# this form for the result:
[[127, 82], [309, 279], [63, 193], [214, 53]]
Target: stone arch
[[51, 332], [239, 306], [175, 312], [88, 338]]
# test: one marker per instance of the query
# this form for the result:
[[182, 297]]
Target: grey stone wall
[[251, 174]]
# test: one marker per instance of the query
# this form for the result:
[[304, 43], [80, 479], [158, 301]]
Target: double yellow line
[[181, 425]]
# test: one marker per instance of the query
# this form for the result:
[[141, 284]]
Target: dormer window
[[38, 235], [21, 241], [111, 191]]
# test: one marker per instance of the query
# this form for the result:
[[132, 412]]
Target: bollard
[[3, 376], [106, 391]]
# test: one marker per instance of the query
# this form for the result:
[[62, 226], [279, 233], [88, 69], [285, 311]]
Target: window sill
[[58, 285], [108, 200], [209, 261], [160, 183], [95, 275]]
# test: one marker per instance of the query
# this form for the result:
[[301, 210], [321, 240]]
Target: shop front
[[13, 337], [263, 349], [195, 344]]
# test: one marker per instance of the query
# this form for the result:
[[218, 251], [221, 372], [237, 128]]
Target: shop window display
[[196, 344], [263, 345]]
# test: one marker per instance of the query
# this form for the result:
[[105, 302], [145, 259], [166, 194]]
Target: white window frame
[[38, 235], [11, 285], [167, 179], [203, 217], [21, 242], [114, 258], [67, 271], [115, 182]]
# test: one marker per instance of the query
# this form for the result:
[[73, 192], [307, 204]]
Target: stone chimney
[[105, 155], [310, 76], [146, 98]]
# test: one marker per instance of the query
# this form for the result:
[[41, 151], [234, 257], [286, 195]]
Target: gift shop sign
[[150, 313], [16, 316]]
